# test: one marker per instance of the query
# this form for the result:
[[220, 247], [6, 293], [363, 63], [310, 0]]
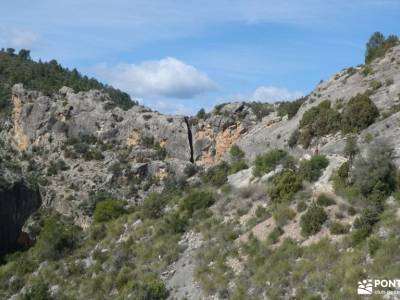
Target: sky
[[179, 56]]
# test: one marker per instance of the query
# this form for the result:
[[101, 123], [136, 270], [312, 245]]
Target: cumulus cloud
[[168, 77], [273, 94], [169, 107], [17, 38]]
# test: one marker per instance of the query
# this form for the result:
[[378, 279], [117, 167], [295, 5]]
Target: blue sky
[[178, 56]]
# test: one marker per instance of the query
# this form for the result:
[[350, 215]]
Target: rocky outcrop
[[214, 136], [68, 114], [381, 79], [16, 205]]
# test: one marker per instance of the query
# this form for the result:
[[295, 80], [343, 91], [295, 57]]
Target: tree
[[24, 54], [312, 220], [351, 148], [374, 176], [10, 51], [201, 114], [358, 114], [378, 45]]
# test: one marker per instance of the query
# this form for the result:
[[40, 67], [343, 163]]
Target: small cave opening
[[17, 204], [190, 138]]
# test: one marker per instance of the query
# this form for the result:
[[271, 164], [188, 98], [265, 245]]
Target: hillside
[[101, 199]]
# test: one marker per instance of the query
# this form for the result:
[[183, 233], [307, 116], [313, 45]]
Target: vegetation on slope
[[378, 45], [47, 77]]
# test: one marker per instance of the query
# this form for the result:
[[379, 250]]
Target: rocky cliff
[[17, 203]]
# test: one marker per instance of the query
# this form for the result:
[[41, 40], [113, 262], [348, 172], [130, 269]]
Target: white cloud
[[273, 94], [171, 107], [166, 78], [16, 38]]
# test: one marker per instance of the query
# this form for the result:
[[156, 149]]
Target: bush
[[312, 220], [267, 162], [236, 153], [375, 174], [293, 138], [237, 166], [108, 210], [38, 291], [57, 166], [196, 200], [153, 206], [290, 108], [283, 214], [201, 114], [285, 185], [151, 289], [274, 235], [318, 121], [343, 171], [312, 169], [261, 109], [358, 114], [338, 228], [324, 200], [301, 206], [56, 239], [216, 175]]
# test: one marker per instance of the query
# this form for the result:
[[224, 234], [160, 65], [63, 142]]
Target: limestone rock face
[[66, 114], [16, 205], [384, 74], [214, 136]]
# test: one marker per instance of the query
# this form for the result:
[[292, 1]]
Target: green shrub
[[375, 84], [318, 121], [373, 244], [301, 206], [375, 175], [56, 167], [338, 228], [290, 108], [153, 206], [56, 239], [201, 114], [359, 113], [312, 220], [197, 200], [151, 289], [343, 171], [274, 235], [312, 169], [267, 162], [38, 291], [237, 166], [324, 200], [283, 214], [378, 45], [108, 210], [176, 222], [236, 153], [293, 138], [261, 109], [216, 175], [285, 185]]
